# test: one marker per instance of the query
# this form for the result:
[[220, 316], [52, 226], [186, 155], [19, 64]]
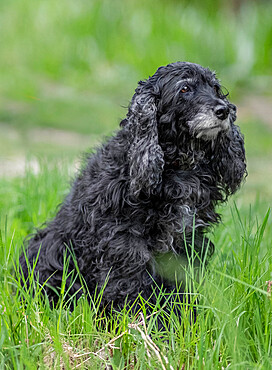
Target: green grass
[[73, 65], [234, 324]]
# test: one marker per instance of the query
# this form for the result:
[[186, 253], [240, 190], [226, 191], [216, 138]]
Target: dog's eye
[[216, 89], [184, 89]]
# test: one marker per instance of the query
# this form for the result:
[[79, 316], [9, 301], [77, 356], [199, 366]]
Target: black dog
[[147, 192]]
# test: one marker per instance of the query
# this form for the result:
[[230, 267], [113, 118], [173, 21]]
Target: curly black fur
[[147, 190]]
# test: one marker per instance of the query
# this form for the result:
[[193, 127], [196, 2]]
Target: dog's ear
[[231, 162], [145, 154]]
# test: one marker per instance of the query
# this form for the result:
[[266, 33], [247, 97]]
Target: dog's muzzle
[[207, 124]]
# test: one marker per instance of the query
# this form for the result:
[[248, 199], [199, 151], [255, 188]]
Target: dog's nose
[[221, 111]]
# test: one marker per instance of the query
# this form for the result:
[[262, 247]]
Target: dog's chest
[[184, 200]]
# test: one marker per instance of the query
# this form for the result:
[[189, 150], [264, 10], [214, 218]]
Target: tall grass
[[233, 328]]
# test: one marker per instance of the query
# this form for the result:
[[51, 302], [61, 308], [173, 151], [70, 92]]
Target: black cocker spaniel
[[150, 191]]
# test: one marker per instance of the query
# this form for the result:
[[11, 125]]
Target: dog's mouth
[[207, 125], [212, 131]]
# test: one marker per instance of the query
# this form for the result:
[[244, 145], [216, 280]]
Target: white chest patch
[[178, 269]]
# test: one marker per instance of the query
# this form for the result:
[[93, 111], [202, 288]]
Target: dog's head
[[181, 100], [192, 96]]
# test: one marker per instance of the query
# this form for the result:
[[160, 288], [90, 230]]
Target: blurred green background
[[69, 69]]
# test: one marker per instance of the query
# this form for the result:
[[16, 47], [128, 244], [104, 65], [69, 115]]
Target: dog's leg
[[48, 261]]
